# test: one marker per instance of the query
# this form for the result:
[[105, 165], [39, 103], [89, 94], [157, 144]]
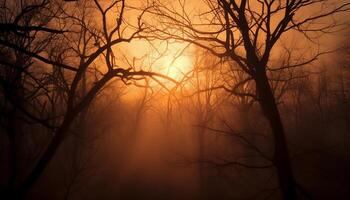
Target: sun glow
[[173, 59], [175, 67]]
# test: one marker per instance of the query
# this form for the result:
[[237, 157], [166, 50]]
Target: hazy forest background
[[159, 99]]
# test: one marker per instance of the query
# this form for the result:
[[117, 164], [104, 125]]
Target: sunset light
[[175, 67], [174, 99]]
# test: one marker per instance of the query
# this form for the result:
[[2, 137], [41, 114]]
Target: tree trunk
[[45, 158], [59, 136], [13, 153], [202, 180], [13, 97], [281, 154]]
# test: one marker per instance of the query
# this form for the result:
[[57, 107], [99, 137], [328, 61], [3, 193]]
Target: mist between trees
[[156, 99]]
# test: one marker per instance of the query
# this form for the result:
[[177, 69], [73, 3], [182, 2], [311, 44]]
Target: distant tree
[[203, 105]]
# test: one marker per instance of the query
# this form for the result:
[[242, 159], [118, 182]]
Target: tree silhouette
[[89, 42], [247, 32]]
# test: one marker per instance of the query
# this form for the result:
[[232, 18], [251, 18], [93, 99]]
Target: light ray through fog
[[174, 99]]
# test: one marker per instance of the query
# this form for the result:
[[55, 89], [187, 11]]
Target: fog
[[174, 99]]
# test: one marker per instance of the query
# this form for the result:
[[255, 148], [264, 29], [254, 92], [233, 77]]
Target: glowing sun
[[177, 61]]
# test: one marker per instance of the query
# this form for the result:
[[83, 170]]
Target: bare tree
[[86, 41], [247, 32], [21, 22], [203, 104]]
